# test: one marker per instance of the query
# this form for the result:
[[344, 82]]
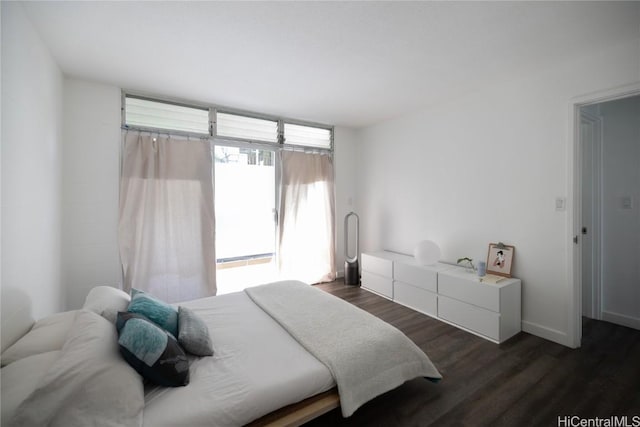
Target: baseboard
[[546, 333], [562, 338], [621, 319]]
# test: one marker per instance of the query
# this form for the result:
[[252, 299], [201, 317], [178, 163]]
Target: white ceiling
[[342, 63]]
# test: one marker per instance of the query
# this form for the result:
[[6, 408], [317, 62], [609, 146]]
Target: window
[[140, 112], [162, 115], [307, 136], [248, 149], [243, 127], [245, 156]]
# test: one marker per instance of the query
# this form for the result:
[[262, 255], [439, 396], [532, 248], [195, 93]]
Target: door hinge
[[575, 239]]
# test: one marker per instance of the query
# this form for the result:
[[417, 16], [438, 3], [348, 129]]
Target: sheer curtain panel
[[166, 227], [306, 242]]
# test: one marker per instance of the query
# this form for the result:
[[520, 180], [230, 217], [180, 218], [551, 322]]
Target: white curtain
[[306, 240], [166, 228]]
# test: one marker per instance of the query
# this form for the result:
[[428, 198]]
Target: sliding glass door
[[245, 196]]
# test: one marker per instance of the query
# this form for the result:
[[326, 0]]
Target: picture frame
[[500, 259]]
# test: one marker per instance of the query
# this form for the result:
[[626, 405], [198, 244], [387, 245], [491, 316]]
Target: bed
[[283, 353]]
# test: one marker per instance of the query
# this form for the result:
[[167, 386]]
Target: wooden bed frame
[[299, 413]]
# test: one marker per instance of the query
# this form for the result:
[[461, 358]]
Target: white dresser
[[452, 294]]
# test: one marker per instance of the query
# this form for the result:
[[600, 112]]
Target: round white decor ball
[[426, 252]]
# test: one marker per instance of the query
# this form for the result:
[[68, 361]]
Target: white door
[[590, 146]]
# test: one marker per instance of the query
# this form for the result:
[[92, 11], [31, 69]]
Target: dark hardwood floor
[[524, 381]]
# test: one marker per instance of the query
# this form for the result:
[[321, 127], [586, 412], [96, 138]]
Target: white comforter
[[257, 367], [366, 356]]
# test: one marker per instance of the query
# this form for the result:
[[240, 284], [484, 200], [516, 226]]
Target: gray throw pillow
[[193, 334]]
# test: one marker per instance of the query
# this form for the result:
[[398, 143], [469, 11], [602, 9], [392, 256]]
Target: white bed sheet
[[257, 367]]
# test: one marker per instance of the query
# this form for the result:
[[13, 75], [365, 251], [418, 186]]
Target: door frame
[[574, 217]]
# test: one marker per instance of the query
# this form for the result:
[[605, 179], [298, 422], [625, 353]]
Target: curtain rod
[[232, 143], [168, 132]]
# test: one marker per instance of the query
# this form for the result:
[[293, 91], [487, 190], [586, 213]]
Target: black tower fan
[[351, 266]]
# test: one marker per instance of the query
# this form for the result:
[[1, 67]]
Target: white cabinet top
[[469, 275], [409, 260]]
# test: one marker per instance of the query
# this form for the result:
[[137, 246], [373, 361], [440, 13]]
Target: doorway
[[245, 200], [606, 220]]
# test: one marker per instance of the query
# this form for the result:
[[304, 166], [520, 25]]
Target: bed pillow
[[107, 301], [159, 312], [89, 384], [47, 334], [151, 351], [21, 378], [193, 333]]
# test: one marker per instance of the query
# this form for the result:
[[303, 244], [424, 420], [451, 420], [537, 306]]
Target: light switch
[[561, 203], [627, 202]]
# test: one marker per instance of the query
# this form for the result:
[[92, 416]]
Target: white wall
[[31, 167], [621, 227], [90, 188], [485, 168], [345, 165]]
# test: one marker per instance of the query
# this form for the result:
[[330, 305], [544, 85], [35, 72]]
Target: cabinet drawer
[[415, 275], [417, 298], [477, 319], [379, 266], [472, 291], [379, 284]]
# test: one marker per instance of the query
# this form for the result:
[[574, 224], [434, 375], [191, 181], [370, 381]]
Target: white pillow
[[90, 384], [47, 334], [21, 378], [107, 301]]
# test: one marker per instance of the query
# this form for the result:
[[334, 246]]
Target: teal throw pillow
[[159, 312]]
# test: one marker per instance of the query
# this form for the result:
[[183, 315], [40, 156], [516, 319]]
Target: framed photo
[[500, 259]]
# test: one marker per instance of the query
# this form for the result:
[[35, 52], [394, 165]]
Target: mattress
[[257, 368]]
